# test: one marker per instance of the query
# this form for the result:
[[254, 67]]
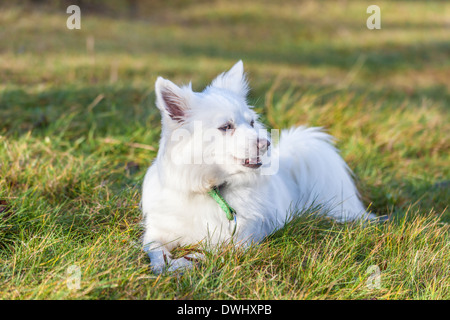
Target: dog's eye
[[252, 123], [226, 127]]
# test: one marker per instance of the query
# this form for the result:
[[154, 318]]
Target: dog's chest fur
[[193, 217]]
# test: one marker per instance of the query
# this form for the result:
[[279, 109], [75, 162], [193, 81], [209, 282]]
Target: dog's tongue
[[252, 163]]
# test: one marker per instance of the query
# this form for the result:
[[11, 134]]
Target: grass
[[79, 128]]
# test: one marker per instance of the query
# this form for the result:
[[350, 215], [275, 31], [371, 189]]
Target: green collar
[[229, 211]]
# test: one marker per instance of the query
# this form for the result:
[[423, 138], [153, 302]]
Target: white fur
[[176, 206]]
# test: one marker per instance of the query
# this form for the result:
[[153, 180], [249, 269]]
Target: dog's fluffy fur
[[176, 206]]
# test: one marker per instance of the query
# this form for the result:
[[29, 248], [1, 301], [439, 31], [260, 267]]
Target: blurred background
[[89, 92], [310, 44]]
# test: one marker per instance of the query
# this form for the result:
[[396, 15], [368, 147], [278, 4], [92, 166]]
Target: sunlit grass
[[79, 128]]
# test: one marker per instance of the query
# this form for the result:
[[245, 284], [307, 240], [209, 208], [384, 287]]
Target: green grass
[[78, 128]]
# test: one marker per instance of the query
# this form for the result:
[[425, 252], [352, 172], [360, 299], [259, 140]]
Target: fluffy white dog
[[216, 178]]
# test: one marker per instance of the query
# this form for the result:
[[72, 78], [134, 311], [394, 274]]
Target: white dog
[[214, 180]]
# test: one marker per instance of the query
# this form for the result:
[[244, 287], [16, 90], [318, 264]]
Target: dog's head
[[210, 137]]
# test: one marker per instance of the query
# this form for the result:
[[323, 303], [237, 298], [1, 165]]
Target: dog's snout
[[263, 144]]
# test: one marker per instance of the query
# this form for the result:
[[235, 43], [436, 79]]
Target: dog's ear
[[233, 80], [172, 100]]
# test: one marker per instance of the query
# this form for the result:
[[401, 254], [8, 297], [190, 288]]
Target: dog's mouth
[[252, 163]]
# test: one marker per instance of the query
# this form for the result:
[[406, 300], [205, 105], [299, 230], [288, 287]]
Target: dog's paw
[[180, 265], [194, 257], [158, 268], [176, 265]]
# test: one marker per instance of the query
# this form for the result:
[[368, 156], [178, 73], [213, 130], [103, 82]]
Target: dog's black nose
[[263, 143]]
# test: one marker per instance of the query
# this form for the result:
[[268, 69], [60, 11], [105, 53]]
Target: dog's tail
[[308, 156]]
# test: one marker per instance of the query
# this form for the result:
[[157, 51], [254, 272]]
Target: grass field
[[78, 128]]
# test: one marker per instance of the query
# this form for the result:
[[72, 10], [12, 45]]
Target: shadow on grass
[[398, 196], [76, 111], [112, 108]]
